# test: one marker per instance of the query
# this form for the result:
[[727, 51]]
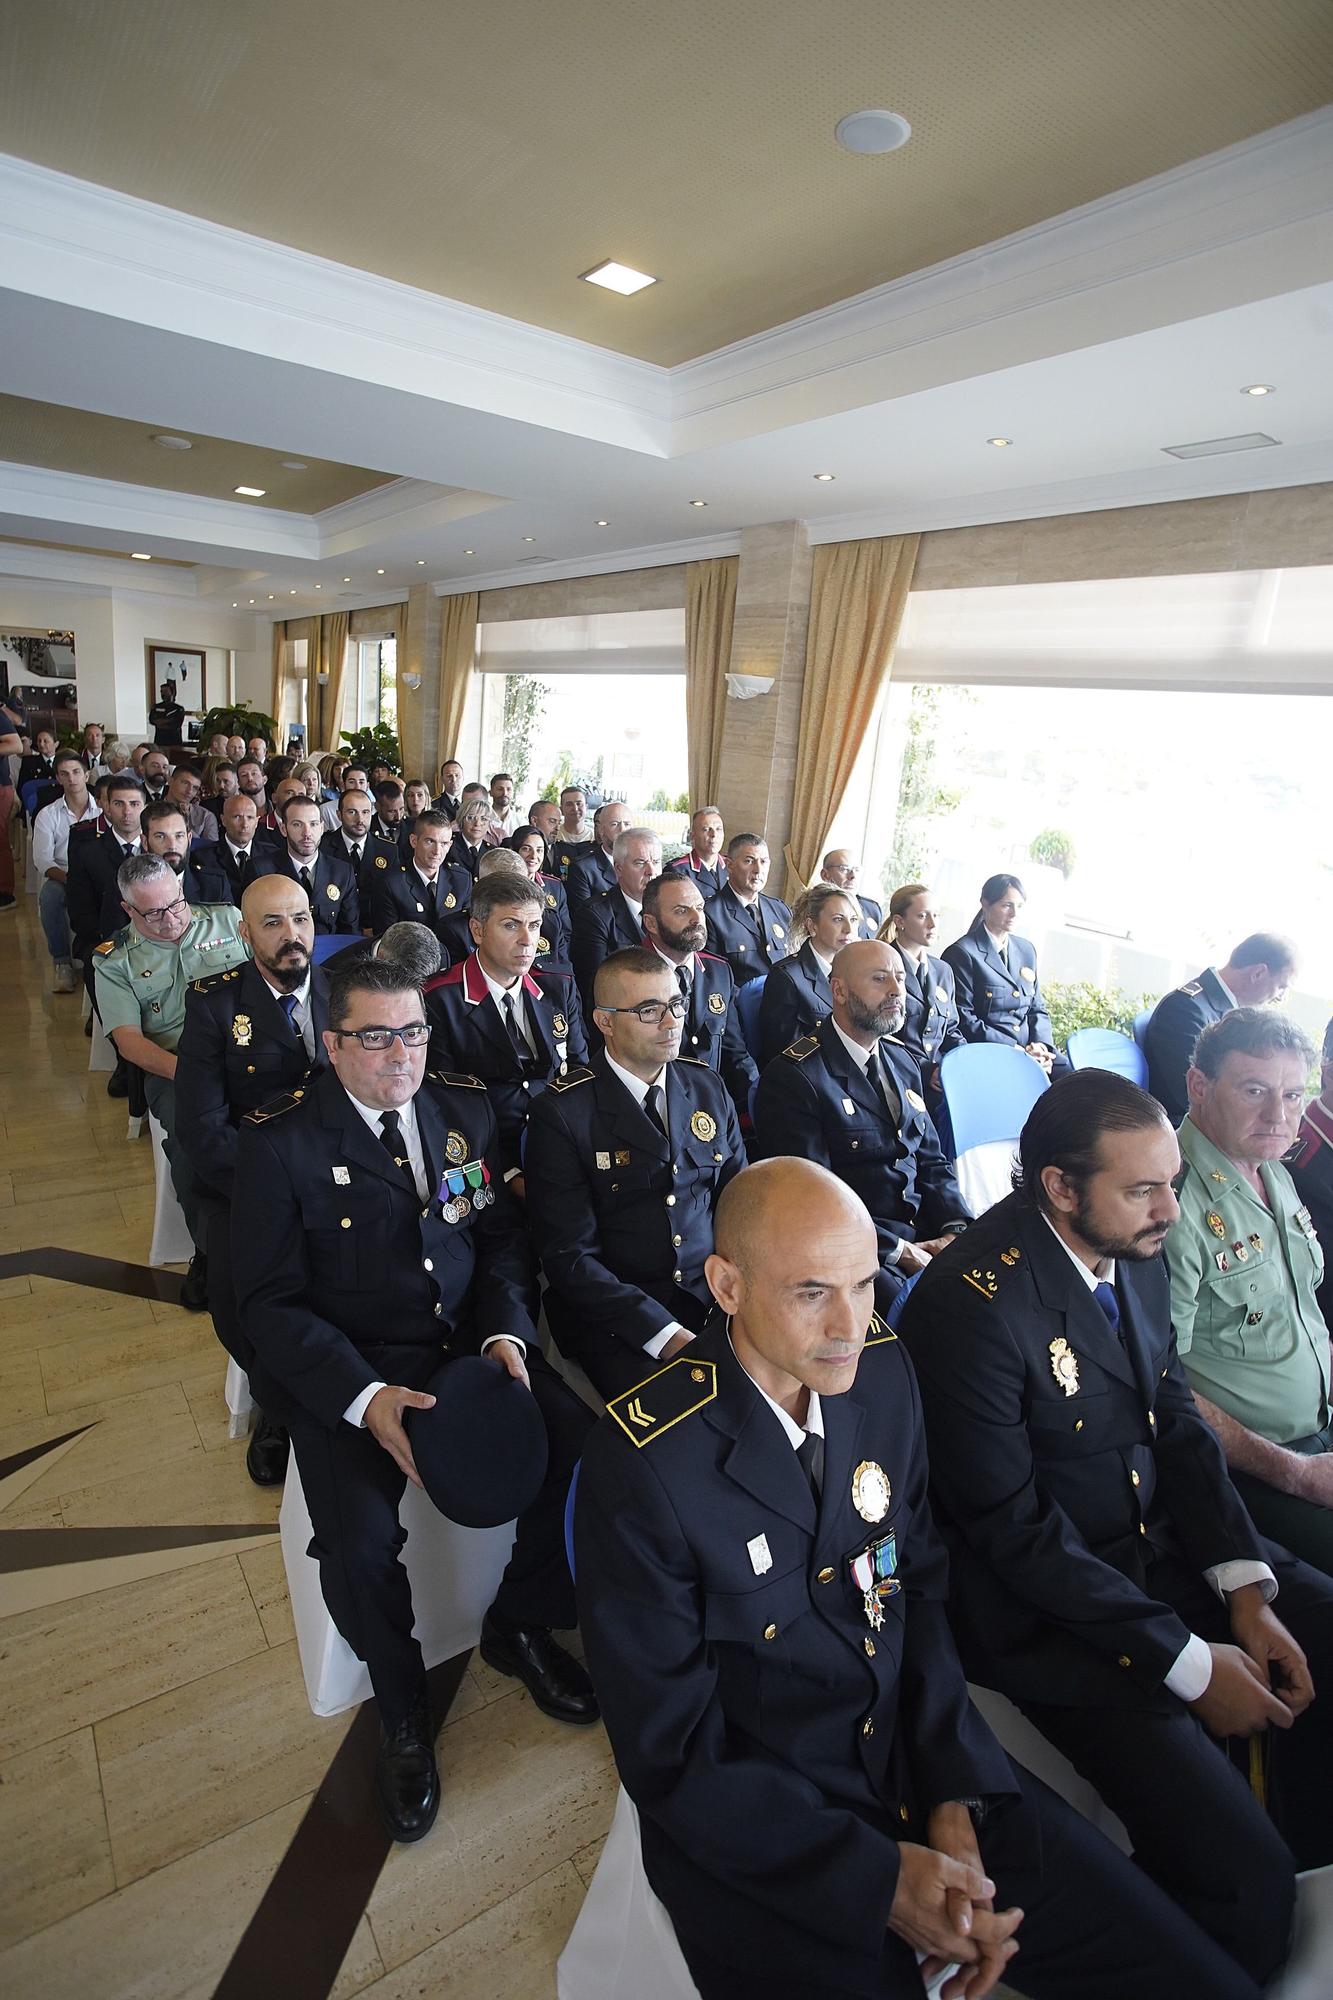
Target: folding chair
[[1106, 1048], [989, 1089]]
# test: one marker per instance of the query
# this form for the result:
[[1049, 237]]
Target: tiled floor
[[157, 1752]]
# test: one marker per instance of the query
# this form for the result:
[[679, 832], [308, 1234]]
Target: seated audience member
[[184, 788], [217, 743], [250, 779], [995, 975], [236, 748], [931, 1027], [451, 787], [328, 881], [473, 831], [311, 778], [219, 785], [502, 804], [91, 749], [117, 758], [676, 925], [590, 873], [500, 1014], [430, 891], [1246, 1267], [50, 861], [143, 975], [841, 868], [155, 771], [39, 762], [704, 862], [232, 855], [544, 814], [352, 840], [1103, 1572], [92, 895], [624, 1163], [746, 927], [349, 1325], [390, 808], [416, 799], [847, 1097], [612, 920], [249, 1034], [163, 832], [257, 748], [1310, 1164], [556, 942], [1260, 969], [796, 996], [575, 836], [762, 1597], [356, 777]]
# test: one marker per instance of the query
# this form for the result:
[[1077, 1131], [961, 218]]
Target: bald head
[[277, 925], [775, 1200]]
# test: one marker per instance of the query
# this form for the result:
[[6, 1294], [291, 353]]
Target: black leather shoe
[[407, 1784], [118, 1084], [553, 1677], [194, 1285], [266, 1456]]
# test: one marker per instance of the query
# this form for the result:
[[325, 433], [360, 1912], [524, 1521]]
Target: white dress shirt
[[1193, 1668], [814, 1416], [1001, 943], [499, 994], [638, 1090], [50, 833]]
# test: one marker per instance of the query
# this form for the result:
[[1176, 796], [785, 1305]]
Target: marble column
[[768, 639]]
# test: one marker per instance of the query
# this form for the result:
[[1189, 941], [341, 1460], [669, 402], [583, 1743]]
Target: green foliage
[[921, 798], [372, 746], [662, 802], [1054, 848], [525, 703], [237, 718], [566, 773], [1079, 1004]]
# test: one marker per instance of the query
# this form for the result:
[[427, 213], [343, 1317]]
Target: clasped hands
[[944, 1907], [1260, 1681]]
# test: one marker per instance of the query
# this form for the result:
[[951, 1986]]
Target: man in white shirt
[[1104, 1573], [183, 790], [50, 858], [502, 804]]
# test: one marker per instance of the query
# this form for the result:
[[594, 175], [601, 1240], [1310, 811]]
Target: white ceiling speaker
[[872, 132]]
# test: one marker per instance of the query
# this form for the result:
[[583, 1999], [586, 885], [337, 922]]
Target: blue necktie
[[1109, 1303], [287, 1002]]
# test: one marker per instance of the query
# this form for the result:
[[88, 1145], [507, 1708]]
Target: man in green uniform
[[1245, 1264], [143, 974]]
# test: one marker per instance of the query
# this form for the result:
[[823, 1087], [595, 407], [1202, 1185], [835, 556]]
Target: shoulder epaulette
[[663, 1400], [798, 1051], [695, 1062], [1194, 989], [212, 979], [101, 950], [575, 1076], [274, 1108], [879, 1334], [459, 1078]]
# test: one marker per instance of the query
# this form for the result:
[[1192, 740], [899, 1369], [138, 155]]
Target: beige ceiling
[[492, 152], [65, 440]]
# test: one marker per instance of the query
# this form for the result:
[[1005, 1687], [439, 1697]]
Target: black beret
[[481, 1451]]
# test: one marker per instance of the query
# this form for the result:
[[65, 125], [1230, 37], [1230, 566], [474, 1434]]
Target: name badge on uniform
[[341, 1177], [849, 1107], [758, 1552], [604, 1162]]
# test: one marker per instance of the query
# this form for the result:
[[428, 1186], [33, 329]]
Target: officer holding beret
[[1258, 971], [849, 1097], [624, 1164], [746, 927], [999, 994], [677, 927], [372, 1238]]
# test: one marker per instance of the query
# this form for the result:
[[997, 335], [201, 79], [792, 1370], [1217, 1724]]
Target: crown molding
[[93, 576], [655, 555], [151, 513]]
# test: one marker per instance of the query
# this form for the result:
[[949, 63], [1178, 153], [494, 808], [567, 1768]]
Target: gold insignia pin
[[550, 900], [333, 892], [871, 1491], [1064, 1365], [455, 1149], [450, 901], [381, 861], [702, 1126], [1221, 1179], [717, 1003], [697, 1375], [622, 1159], [543, 946], [559, 1026], [1215, 1222], [981, 1281], [242, 1031]]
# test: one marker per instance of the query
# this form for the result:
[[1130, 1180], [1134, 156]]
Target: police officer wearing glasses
[[624, 1164], [366, 1207]]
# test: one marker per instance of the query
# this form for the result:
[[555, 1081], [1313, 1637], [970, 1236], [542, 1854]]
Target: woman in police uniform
[[931, 1026], [529, 843]]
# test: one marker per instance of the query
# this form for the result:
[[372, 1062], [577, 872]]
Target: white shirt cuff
[[355, 1413], [511, 1174], [1235, 1576], [521, 1345], [654, 1346], [892, 1256], [1189, 1677]]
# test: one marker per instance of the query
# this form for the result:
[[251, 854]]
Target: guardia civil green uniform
[[1244, 1273]]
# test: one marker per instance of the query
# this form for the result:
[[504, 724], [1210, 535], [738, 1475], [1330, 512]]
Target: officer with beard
[[677, 928]]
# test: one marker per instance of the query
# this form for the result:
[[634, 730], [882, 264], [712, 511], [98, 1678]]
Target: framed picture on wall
[[183, 666]]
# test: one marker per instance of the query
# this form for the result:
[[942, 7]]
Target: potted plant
[[237, 718], [372, 746]]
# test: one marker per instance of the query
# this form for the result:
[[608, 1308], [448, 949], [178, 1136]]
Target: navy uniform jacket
[[706, 880], [588, 875], [92, 899], [712, 1031], [750, 937], [1310, 1164], [334, 902], [399, 895], [1174, 1027], [235, 1053], [556, 942], [872, 916], [777, 1749], [343, 1277], [816, 1102], [1053, 1504], [216, 856], [333, 843], [603, 923], [465, 860], [442, 803], [564, 853], [467, 1033], [931, 1028], [998, 1003], [622, 1220], [795, 999]]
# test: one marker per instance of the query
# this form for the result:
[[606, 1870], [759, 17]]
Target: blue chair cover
[[569, 1517], [1105, 1048], [327, 944], [1141, 1021], [747, 1012], [989, 1088], [895, 1311], [28, 791]]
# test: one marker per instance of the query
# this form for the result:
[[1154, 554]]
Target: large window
[[370, 692]]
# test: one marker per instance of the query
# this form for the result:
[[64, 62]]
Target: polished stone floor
[[158, 1758]]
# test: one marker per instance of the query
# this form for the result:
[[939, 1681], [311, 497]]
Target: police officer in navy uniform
[[164, 831], [556, 944], [373, 1240], [232, 854], [589, 874], [1259, 970], [502, 1014], [328, 882], [840, 867], [354, 841], [612, 920], [677, 928], [432, 891], [250, 1035], [624, 1162], [1103, 1571], [703, 861], [995, 973], [848, 1096], [746, 927], [763, 1600], [931, 1026], [796, 995]]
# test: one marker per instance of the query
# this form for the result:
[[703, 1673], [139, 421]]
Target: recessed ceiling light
[[825, 477], [291, 593], [252, 600], [1258, 389], [319, 586], [469, 552], [529, 538], [999, 443], [421, 562], [602, 524], [137, 555], [293, 465], [170, 442], [250, 492], [347, 579], [235, 604], [622, 278], [698, 503], [872, 132], [379, 572]]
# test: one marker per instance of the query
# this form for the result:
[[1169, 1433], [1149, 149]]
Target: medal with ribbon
[[463, 1188], [874, 1572]]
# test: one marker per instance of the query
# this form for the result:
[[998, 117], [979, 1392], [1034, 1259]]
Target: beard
[[289, 968], [689, 937], [885, 1020], [1140, 1248]]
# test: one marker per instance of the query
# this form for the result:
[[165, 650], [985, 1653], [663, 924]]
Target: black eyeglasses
[[651, 1012], [413, 1036]]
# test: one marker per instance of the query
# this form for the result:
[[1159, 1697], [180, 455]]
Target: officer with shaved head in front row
[[762, 1597]]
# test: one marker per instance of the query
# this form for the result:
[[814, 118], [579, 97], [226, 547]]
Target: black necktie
[[808, 1455], [521, 1049], [882, 1087], [356, 854], [391, 1138], [684, 983], [652, 1104], [303, 877], [125, 850]]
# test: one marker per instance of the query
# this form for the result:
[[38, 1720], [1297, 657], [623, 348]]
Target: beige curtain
[[326, 703], [857, 599], [277, 700], [458, 654], [710, 614]]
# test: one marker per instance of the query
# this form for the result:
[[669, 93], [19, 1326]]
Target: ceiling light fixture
[[291, 593], [1215, 447], [319, 586], [421, 562], [1258, 389], [293, 465], [469, 552], [999, 443], [622, 278], [825, 477], [137, 555], [252, 600], [235, 604], [379, 572], [250, 492], [270, 597], [698, 503], [529, 538], [602, 524], [347, 579], [170, 442], [872, 132]]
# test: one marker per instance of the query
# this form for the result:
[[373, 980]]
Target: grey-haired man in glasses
[[624, 1165], [142, 976]]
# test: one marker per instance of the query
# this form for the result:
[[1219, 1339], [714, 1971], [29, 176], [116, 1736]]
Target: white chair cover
[[1308, 1974], [240, 1403], [171, 1239], [454, 1574], [985, 1173], [101, 1048]]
